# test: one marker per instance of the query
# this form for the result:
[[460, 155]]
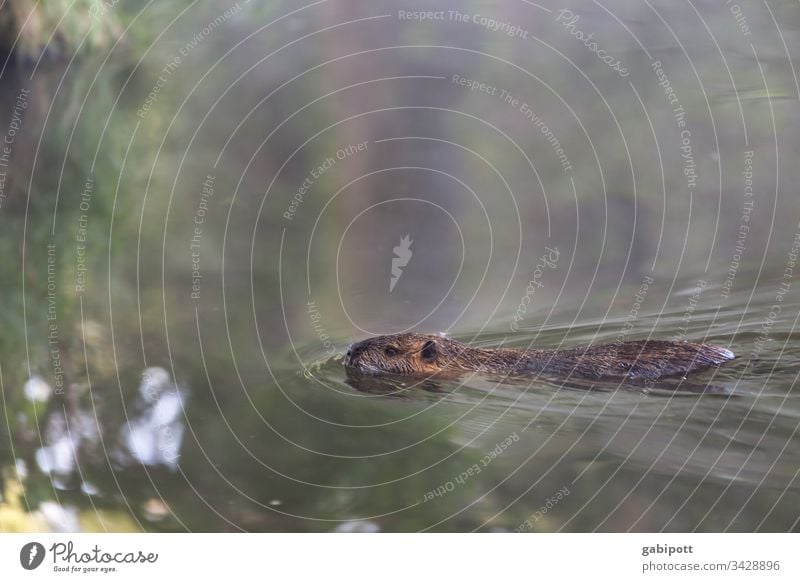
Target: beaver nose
[[355, 350]]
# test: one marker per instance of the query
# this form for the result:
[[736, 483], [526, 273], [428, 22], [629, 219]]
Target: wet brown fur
[[426, 354]]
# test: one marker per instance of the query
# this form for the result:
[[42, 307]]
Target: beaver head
[[403, 353]]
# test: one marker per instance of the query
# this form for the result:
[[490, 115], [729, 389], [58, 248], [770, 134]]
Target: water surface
[[181, 274]]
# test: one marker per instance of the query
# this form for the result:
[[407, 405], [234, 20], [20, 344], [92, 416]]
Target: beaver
[[428, 354]]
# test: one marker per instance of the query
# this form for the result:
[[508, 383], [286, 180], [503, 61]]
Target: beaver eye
[[390, 351]]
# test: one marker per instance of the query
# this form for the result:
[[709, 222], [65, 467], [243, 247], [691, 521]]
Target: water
[[180, 282], [630, 461]]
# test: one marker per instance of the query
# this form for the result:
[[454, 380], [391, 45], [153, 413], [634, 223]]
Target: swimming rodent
[[428, 354]]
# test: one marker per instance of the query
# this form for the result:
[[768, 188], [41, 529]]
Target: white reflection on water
[[154, 435], [62, 437]]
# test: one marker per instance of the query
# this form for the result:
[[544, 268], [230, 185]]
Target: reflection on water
[[153, 435], [58, 457], [180, 286], [324, 449]]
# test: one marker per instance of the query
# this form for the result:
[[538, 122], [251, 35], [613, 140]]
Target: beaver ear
[[429, 351]]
